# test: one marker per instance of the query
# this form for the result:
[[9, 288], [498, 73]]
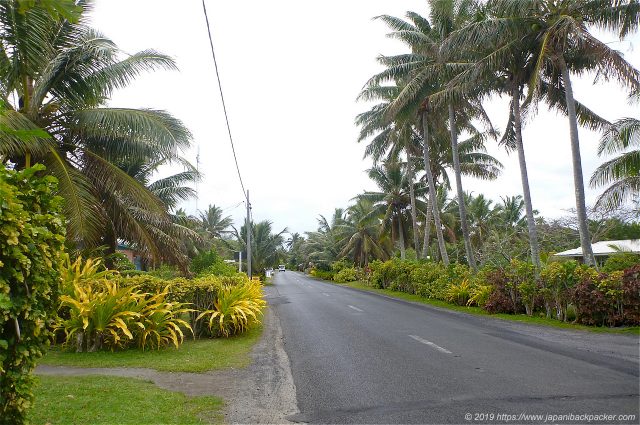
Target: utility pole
[[248, 236], [240, 261]]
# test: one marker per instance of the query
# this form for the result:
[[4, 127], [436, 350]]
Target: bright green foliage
[[557, 278], [210, 263], [348, 274], [522, 279], [236, 308], [31, 242], [620, 261]]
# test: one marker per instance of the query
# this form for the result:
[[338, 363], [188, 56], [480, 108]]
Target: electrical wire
[[224, 107]]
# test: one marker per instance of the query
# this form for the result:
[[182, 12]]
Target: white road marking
[[356, 309], [430, 344], [325, 294]]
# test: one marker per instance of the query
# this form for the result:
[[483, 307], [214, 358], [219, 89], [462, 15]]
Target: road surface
[[362, 358]]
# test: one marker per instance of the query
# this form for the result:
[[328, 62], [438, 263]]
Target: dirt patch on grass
[[264, 392]]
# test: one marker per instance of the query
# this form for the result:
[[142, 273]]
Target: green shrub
[[394, 274], [345, 275], [31, 243], [341, 264], [210, 263], [522, 282], [556, 281], [621, 261], [165, 271], [322, 274], [430, 280]]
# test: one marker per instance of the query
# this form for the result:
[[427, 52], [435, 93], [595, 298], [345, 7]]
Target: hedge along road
[[358, 357]]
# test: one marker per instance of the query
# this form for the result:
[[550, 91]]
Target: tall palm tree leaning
[[563, 42], [391, 138], [426, 70], [415, 32], [503, 63]]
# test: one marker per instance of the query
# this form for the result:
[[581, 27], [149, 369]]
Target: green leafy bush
[[557, 279], [322, 274], [31, 243], [348, 274], [621, 261], [522, 284], [210, 263]]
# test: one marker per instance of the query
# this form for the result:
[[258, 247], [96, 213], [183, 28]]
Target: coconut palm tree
[[623, 171], [266, 246], [214, 222], [503, 63], [61, 74], [325, 245], [393, 199], [425, 71], [391, 139], [564, 43], [361, 234]]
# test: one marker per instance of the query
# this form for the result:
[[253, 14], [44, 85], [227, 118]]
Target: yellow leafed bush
[[236, 308], [459, 293]]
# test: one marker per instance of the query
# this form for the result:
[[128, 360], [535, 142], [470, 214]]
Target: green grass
[[192, 356], [635, 330], [113, 400]]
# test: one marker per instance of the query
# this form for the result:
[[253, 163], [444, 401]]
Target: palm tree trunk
[[403, 252], [461, 205], [578, 180], [531, 224], [432, 190], [427, 230], [412, 195]]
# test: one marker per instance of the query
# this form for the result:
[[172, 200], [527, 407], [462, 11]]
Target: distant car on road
[[282, 268]]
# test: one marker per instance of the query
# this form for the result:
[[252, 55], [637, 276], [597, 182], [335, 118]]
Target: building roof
[[605, 248]]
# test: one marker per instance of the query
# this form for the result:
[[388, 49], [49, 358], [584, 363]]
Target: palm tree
[[391, 138], [214, 223], [392, 200], [425, 71], [266, 246], [502, 62], [564, 43], [623, 171], [361, 234], [325, 245], [62, 74]]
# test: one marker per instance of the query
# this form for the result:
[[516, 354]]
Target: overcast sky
[[291, 71]]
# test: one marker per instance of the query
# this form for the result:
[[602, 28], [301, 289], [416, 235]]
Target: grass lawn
[[113, 400], [479, 311], [192, 356]]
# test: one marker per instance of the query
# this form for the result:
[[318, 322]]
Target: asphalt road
[[362, 358]]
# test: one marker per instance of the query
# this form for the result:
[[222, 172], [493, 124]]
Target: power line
[[224, 107]]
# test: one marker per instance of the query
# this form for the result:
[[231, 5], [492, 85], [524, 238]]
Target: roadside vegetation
[[81, 184], [420, 233]]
